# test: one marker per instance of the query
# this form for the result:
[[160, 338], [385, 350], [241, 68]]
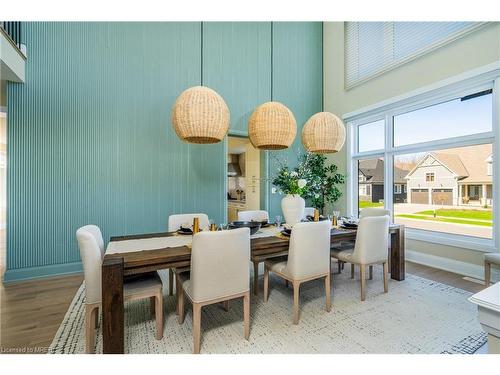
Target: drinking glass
[[277, 220], [223, 226]]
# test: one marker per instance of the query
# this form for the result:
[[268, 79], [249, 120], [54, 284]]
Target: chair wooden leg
[[256, 278], [246, 314], [296, 305], [89, 329], [159, 315], [362, 275], [370, 272], [343, 264], [386, 277], [152, 302], [170, 282], [180, 305], [225, 305], [487, 273], [352, 270], [96, 317], [266, 283], [339, 266], [327, 292], [196, 327]]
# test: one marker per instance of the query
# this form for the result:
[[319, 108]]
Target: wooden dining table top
[[181, 255]]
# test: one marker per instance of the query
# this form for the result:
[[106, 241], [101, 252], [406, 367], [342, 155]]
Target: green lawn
[[463, 214], [365, 204], [447, 220]]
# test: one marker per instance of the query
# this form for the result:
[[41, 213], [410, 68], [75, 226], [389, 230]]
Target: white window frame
[[484, 78]]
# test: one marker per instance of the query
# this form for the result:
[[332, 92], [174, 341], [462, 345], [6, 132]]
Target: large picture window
[[439, 157]]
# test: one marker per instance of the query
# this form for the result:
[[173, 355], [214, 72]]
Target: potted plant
[[293, 185]]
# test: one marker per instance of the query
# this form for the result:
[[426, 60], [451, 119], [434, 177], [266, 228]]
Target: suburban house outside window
[[437, 162]]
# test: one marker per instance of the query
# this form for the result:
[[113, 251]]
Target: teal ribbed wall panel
[[90, 138], [297, 82], [237, 64]]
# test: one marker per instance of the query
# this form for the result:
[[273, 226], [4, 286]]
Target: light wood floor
[[32, 311]]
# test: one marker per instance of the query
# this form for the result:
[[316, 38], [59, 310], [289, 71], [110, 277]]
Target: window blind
[[372, 48]]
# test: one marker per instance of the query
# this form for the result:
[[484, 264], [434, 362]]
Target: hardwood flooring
[[32, 311]]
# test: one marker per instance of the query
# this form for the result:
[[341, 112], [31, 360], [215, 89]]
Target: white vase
[[293, 206]]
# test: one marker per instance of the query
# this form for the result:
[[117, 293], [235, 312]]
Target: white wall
[[476, 49]]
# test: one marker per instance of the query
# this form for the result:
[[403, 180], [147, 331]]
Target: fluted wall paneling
[[89, 133]]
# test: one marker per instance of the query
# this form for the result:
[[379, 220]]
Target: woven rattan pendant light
[[200, 115], [323, 133], [272, 126]]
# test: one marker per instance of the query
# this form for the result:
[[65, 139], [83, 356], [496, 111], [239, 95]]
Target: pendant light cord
[[272, 59], [201, 53]]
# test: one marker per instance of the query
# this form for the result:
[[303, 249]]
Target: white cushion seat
[[308, 259], [144, 284], [492, 258], [174, 223], [218, 273], [91, 245], [370, 247], [489, 259], [277, 265], [344, 255]]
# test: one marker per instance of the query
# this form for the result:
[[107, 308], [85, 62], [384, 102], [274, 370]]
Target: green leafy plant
[[324, 181], [290, 181], [313, 179]]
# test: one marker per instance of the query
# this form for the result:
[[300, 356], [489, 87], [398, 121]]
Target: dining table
[[139, 254]]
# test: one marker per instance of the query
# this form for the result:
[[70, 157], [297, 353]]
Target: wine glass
[[277, 220], [222, 226]]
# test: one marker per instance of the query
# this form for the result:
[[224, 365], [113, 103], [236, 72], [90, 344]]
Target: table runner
[[145, 244]]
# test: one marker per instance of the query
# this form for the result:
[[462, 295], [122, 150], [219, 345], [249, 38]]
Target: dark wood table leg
[[112, 306], [255, 278], [398, 254]]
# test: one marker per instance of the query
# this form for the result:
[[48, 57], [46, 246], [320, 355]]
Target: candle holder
[[196, 225], [316, 215]]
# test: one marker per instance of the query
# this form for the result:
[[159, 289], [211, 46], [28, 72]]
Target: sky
[[450, 119]]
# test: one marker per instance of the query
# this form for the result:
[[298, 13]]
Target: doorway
[[243, 177]]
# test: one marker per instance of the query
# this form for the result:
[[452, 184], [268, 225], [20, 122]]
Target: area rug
[[416, 316]]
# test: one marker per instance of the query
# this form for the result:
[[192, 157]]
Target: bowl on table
[[349, 223], [253, 225], [186, 229], [263, 223], [287, 230]]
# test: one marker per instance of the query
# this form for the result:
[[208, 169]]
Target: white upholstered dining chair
[[308, 259], [91, 246], [257, 215], [374, 211], [174, 224], [372, 241], [308, 211], [219, 273]]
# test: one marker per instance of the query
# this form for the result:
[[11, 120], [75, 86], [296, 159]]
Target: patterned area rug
[[416, 316]]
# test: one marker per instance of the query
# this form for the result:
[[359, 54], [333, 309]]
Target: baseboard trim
[[451, 265], [30, 273]]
